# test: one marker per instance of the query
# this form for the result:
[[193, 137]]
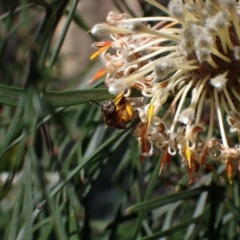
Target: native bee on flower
[[117, 112]]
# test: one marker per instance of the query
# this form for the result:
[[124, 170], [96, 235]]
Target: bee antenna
[[92, 101]]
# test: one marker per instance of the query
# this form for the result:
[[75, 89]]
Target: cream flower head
[[187, 67]]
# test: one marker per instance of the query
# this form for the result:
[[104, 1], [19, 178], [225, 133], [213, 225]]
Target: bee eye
[[108, 108], [110, 103]]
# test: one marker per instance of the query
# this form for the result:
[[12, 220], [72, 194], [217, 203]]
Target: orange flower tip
[[165, 158], [91, 81], [102, 44], [101, 50], [97, 75], [229, 171], [94, 55]]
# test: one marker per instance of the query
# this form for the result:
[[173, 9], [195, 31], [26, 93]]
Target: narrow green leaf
[[219, 217], [201, 205], [63, 33], [80, 21], [13, 127], [151, 185], [199, 226], [170, 198], [42, 223], [50, 202], [12, 231], [3, 17], [46, 227], [68, 98], [28, 199], [11, 96], [172, 230]]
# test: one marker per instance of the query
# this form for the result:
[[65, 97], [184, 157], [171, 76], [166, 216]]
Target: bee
[[117, 112]]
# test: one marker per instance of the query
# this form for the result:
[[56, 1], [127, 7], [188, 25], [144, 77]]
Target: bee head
[[108, 108]]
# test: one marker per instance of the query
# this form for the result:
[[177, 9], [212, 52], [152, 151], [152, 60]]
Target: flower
[[187, 65]]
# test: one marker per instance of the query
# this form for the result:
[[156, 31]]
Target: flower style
[[187, 66]]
